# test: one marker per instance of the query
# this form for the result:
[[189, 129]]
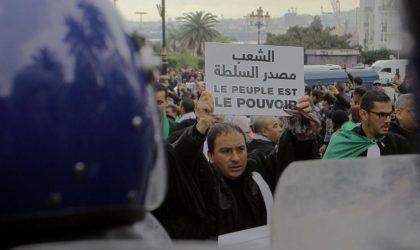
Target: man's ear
[[210, 155], [398, 113], [363, 115], [264, 132]]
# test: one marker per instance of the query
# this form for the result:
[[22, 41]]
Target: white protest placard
[[254, 79]]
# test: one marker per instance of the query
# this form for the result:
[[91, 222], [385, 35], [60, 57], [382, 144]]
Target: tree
[[315, 36], [197, 28], [174, 44], [173, 39], [179, 60], [371, 56]]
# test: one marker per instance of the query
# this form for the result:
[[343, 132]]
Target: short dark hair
[[173, 107], [372, 96], [317, 93], [340, 85], [358, 81], [339, 117], [221, 128], [360, 91], [188, 104], [160, 87], [329, 98], [308, 89]]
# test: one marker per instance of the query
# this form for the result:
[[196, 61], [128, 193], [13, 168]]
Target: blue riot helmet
[[79, 135]]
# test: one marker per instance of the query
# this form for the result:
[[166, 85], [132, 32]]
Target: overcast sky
[[227, 8]]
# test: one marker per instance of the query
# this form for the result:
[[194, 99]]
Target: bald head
[[405, 112], [267, 126], [404, 101]]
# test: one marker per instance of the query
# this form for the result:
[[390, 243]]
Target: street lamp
[[141, 13], [259, 20], [164, 53]]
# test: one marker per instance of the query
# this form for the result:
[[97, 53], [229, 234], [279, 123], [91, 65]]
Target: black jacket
[[201, 204], [172, 125], [290, 149], [413, 137], [241, 205], [190, 207], [392, 144], [179, 129], [341, 103], [256, 145]]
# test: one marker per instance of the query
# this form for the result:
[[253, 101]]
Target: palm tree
[[198, 28], [173, 39]]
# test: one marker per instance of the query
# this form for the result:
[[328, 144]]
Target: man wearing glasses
[[372, 138]]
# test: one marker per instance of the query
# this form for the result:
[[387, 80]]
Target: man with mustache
[[372, 138], [228, 192]]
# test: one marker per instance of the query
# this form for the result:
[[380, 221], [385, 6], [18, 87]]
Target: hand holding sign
[[204, 109], [304, 104], [303, 123]]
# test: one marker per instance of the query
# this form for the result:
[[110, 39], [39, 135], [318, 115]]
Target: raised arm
[[191, 141], [298, 142]]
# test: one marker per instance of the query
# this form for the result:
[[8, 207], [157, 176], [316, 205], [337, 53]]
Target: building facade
[[379, 25], [342, 57]]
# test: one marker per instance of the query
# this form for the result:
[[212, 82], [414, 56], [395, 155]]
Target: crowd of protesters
[[224, 169], [73, 138]]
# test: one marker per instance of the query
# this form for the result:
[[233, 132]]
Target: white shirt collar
[[190, 115]]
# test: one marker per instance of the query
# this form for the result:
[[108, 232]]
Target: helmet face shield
[[79, 129], [360, 203], [157, 182]]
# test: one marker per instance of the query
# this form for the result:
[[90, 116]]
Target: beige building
[[379, 25]]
